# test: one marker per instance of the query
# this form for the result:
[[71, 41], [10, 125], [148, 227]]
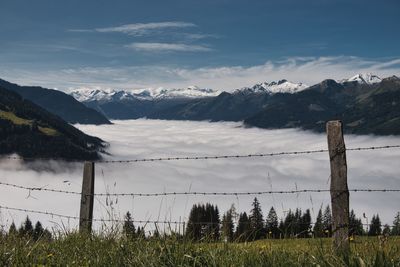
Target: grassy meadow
[[77, 250]]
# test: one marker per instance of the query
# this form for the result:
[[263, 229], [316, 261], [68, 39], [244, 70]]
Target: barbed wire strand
[[198, 193], [51, 214], [209, 157]]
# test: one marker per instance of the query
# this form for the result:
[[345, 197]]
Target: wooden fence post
[[339, 189], [87, 197]]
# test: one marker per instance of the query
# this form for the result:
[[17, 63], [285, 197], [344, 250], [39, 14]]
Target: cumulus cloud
[[153, 138], [309, 70], [168, 47]]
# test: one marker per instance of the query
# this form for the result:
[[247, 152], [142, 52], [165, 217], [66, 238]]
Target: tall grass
[[74, 249]]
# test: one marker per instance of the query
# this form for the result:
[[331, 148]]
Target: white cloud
[[139, 29], [152, 138], [168, 47], [309, 70]]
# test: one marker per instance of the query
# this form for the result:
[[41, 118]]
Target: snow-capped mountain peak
[[86, 95], [281, 86], [364, 78]]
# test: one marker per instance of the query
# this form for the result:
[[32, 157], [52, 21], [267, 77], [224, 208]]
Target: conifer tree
[[38, 231], [288, 224], [203, 222], [243, 228], [356, 226], [305, 224], [375, 227], [386, 229], [26, 228], [227, 225], [256, 221], [13, 229], [193, 230], [271, 224], [318, 226], [327, 221], [396, 225], [129, 227]]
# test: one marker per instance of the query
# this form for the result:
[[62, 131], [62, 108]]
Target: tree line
[[27, 230], [206, 223]]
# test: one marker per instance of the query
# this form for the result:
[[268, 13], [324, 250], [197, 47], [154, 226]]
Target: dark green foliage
[[318, 226], [375, 228], [296, 224], [28, 141], [129, 228], [203, 222], [38, 231], [396, 225], [13, 229], [386, 229], [227, 229], [58, 103], [27, 228], [243, 228], [271, 224], [305, 225], [327, 221], [257, 230], [355, 224]]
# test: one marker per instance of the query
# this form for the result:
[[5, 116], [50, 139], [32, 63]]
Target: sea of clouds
[[136, 139]]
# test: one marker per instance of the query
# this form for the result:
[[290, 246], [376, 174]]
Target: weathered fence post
[[339, 189], [86, 212]]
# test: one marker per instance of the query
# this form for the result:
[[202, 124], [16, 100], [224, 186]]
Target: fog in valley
[[136, 139]]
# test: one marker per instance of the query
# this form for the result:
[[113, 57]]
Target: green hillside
[[32, 132]]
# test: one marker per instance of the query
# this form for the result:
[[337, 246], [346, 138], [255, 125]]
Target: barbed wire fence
[[87, 195]]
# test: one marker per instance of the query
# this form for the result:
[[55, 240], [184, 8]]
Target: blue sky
[[210, 43]]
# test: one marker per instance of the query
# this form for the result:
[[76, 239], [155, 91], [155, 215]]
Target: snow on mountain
[[282, 86], [85, 95], [364, 78]]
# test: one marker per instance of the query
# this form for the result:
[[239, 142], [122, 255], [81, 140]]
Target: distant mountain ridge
[[58, 103], [361, 101], [87, 95], [282, 86]]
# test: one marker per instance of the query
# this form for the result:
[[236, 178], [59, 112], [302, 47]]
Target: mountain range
[[365, 102], [58, 103]]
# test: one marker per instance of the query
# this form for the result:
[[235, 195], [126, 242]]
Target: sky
[[220, 44], [137, 139]]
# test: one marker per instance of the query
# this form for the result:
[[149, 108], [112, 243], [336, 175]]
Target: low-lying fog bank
[[152, 138]]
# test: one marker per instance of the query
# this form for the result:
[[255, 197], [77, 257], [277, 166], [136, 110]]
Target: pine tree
[[318, 226], [386, 229], [26, 228], [129, 227], [327, 221], [13, 230], [227, 225], [297, 222], [271, 224], [193, 230], [38, 231], [203, 222], [356, 226], [288, 224], [243, 228], [396, 225], [256, 221], [375, 227], [305, 224]]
